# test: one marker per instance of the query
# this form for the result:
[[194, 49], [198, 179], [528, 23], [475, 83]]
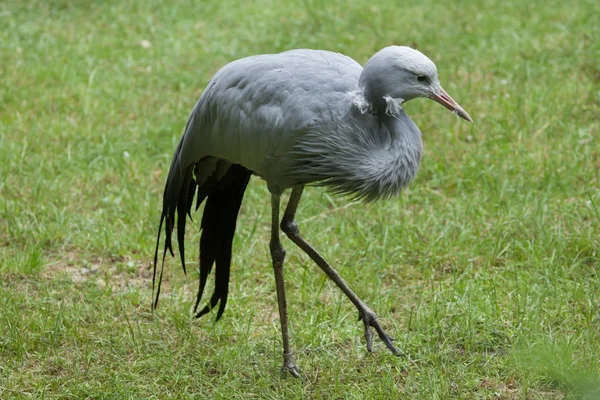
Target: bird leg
[[369, 318], [278, 255]]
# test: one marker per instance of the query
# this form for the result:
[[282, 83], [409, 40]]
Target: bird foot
[[369, 319], [290, 368]]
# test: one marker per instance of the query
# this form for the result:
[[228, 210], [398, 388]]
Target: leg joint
[[289, 226], [277, 253]]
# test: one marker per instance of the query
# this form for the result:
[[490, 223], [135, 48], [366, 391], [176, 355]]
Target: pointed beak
[[440, 96]]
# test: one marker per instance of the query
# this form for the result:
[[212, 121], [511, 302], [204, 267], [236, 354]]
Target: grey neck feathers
[[388, 104], [365, 156]]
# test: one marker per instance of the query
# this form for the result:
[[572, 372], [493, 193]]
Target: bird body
[[270, 114], [295, 118], [255, 109]]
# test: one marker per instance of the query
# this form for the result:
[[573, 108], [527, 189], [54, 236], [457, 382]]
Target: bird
[[296, 118]]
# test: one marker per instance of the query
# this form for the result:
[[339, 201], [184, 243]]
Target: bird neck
[[368, 156], [394, 158], [365, 102]]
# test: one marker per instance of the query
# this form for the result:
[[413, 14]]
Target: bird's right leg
[[369, 318], [278, 255]]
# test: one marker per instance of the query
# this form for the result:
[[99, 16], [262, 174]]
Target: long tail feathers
[[155, 302], [184, 205], [218, 228]]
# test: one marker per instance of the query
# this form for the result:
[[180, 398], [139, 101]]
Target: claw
[[370, 320], [290, 368]]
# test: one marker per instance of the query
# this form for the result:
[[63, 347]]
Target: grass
[[485, 269]]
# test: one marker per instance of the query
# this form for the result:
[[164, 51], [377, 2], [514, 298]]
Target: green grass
[[485, 269]]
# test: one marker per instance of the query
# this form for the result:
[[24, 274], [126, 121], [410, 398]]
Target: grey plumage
[[296, 118], [370, 160]]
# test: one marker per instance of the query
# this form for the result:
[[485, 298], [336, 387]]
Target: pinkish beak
[[444, 99]]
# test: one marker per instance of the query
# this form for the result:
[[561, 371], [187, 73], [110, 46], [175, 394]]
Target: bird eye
[[422, 78]]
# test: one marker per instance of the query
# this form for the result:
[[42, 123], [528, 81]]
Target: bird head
[[400, 73]]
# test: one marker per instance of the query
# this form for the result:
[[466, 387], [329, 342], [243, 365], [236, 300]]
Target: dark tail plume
[[218, 227], [173, 200], [224, 198]]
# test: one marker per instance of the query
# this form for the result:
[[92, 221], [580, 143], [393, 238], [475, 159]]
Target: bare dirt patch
[[121, 273]]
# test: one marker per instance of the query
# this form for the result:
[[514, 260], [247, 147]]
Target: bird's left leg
[[369, 318], [278, 255]]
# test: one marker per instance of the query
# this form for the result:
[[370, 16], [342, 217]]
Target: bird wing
[[252, 107]]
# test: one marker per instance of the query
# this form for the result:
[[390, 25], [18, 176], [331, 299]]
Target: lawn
[[485, 269]]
